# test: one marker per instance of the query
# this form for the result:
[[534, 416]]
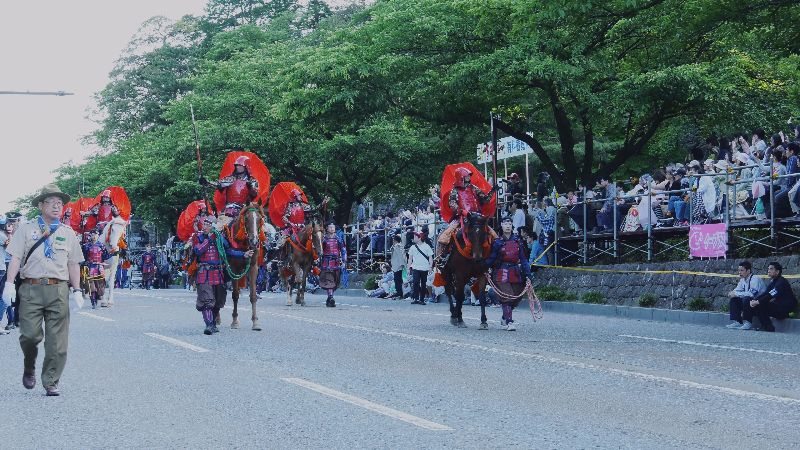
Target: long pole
[[56, 93], [199, 159], [494, 160]]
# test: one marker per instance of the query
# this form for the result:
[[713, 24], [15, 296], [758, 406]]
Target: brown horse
[[303, 248], [466, 262], [246, 233]]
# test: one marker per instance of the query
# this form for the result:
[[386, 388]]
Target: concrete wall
[[673, 291]]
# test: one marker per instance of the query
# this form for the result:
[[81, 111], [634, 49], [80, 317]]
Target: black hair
[[724, 143], [777, 266], [518, 203], [760, 133], [776, 139], [747, 265], [794, 147], [659, 175], [397, 238]]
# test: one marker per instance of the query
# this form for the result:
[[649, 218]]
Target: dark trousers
[[763, 311], [736, 305], [418, 280], [398, 283]]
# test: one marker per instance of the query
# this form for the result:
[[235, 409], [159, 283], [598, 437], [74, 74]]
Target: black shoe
[[769, 329], [208, 330], [214, 328], [330, 302]]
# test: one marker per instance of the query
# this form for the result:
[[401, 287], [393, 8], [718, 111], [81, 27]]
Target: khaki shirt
[[65, 244]]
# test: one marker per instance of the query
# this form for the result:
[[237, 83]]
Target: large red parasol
[[280, 197], [448, 180], [187, 217], [120, 199], [257, 170], [78, 206]]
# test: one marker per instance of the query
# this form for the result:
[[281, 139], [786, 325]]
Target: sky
[[56, 45]]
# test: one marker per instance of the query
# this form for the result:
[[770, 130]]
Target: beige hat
[[50, 190], [742, 157], [694, 163], [721, 164]]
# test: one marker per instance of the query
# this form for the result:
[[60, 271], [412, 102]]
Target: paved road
[[387, 374]]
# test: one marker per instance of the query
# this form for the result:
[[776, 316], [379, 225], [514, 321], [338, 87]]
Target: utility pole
[[56, 93]]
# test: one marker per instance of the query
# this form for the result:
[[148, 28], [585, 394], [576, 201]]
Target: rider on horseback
[[509, 265], [464, 198], [294, 216], [105, 211], [239, 188]]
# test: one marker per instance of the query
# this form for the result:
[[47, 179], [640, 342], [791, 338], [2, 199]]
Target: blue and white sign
[[507, 147]]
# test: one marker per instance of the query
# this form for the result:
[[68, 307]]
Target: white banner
[[507, 147]]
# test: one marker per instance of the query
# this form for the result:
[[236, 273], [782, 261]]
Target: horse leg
[[301, 286], [482, 298], [288, 286], [254, 296], [112, 277], [456, 318], [235, 297]]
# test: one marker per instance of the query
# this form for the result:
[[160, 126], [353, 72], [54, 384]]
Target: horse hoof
[[454, 321], [289, 303], [256, 326], [461, 324], [104, 305], [235, 325], [483, 326]]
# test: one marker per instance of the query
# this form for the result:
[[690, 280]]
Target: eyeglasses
[[54, 202]]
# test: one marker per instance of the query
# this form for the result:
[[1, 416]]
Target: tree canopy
[[373, 100]]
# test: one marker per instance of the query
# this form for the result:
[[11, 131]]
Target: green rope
[[224, 256]]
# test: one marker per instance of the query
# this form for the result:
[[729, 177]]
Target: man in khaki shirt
[[47, 272]]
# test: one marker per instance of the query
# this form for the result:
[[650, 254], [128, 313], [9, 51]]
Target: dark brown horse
[[302, 249], [470, 248], [246, 233]]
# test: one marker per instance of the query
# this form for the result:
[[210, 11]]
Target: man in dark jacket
[[778, 301]]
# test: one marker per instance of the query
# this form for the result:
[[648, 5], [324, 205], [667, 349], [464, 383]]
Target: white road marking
[[177, 342], [366, 404], [561, 361], [95, 316], [703, 344]]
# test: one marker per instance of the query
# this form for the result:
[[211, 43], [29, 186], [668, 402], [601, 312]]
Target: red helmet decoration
[[242, 161], [106, 193], [461, 173]]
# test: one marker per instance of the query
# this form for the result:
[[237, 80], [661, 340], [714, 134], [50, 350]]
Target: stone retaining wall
[[672, 291]]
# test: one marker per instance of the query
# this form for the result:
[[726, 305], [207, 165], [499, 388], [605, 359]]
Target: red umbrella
[[448, 180], [120, 199], [187, 217], [281, 196], [80, 205], [257, 170]]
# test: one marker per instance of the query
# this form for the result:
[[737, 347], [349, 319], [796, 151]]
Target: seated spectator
[[704, 197], [778, 301], [677, 205], [748, 288], [385, 284], [605, 218]]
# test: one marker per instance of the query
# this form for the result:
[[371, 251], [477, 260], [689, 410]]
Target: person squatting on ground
[[334, 256], [95, 253], [464, 198], [210, 280], [510, 269], [47, 255], [748, 288], [777, 301]]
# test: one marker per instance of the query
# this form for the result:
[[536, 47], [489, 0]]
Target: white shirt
[[419, 256], [518, 219]]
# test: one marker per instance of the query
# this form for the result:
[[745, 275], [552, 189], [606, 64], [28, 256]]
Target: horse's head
[[316, 229], [253, 218], [114, 234], [475, 224]]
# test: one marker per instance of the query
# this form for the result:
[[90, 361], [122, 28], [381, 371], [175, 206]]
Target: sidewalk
[[707, 318]]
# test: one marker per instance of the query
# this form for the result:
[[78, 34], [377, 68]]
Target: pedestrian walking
[[398, 263], [47, 255]]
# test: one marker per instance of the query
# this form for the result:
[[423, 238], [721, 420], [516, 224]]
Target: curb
[[713, 319], [703, 318]]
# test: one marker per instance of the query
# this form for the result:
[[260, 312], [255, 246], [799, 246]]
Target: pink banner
[[708, 241]]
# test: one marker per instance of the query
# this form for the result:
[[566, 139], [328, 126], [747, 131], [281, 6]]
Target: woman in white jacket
[[705, 191]]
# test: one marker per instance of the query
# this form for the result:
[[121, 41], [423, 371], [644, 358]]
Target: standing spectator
[[541, 186], [513, 187], [47, 256], [435, 200], [778, 301], [420, 259], [426, 221], [518, 214], [398, 263], [793, 148], [748, 288], [3, 255], [361, 212], [605, 219]]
